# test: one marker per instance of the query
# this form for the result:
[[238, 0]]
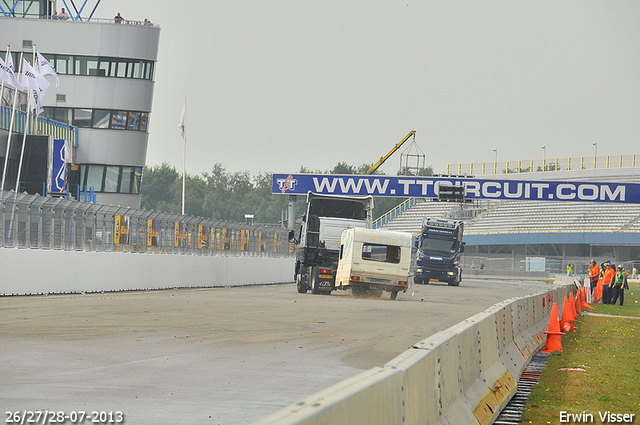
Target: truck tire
[[393, 295], [457, 279], [301, 285], [314, 281]]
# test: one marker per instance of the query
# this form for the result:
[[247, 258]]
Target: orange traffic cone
[[599, 290], [576, 303], [585, 304], [572, 307], [566, 324], [553, 342]]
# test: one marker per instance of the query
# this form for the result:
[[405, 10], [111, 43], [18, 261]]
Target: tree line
[[223, 195]]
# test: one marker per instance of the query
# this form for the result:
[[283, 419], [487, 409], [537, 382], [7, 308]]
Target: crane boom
[[391, 152]]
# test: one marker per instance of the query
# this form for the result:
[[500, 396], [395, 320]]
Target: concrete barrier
[[464, 375], [353, 401], [36, 271]]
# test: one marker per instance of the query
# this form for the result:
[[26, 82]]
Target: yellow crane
[[391, 152]]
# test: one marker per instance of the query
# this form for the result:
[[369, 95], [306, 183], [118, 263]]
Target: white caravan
[[371, 261]]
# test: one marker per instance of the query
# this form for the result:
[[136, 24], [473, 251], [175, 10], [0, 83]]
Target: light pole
[[495, 163], [595, 154], [544, 161]]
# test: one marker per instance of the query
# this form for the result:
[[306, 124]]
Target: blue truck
[[439, 248]]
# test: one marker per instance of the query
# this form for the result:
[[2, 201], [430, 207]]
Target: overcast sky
[[272, 86]]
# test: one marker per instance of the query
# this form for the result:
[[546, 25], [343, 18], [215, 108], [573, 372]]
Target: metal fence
[[42, 222], [543, 165], [519, 264]]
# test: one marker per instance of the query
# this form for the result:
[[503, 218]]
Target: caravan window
[[383, 253]]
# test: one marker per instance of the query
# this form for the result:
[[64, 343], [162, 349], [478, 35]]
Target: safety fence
[[464, 375], [49, 223], [541, 165]]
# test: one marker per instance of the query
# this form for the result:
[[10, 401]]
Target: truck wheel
[[314, 282], [302, 286], [454, 282], [393, 295]]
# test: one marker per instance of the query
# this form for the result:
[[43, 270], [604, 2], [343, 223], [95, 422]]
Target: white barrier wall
[[36, 271], [464, 375]]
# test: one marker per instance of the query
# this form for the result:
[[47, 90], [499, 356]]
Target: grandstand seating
[[501, 218], [524, 217], [552, 217]]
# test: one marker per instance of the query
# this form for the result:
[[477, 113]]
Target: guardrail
[[49, 223], [464, 375], [44, 126], [78, 18], [545, 165]]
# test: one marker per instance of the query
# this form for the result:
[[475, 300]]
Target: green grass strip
[[607, 349]]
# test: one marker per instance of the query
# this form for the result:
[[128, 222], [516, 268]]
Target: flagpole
[[13, 114], [2, 86], [184, 151], [4, 169], [36, 63], [24, 133]]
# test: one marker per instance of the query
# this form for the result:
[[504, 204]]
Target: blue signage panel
[[428, 187], [59, 167]]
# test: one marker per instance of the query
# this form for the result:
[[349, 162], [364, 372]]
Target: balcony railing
[[44, 126], [544, 165]]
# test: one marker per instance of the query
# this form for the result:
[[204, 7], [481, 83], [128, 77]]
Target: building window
[[119, 120], [94, 177], [137, 178], [63, 64], [82, 118], [134, 121], [86, 65], [101, 118], [104, 68], [137, 69], [62, 115], [100, 66], [127, 178], [111, 179]]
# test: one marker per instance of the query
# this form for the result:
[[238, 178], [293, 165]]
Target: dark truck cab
[[318, 238], [439, 248]]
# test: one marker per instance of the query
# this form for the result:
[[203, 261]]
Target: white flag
[[36, 101], [46, 68], [33, 80], [9, 75], [183, 120]]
